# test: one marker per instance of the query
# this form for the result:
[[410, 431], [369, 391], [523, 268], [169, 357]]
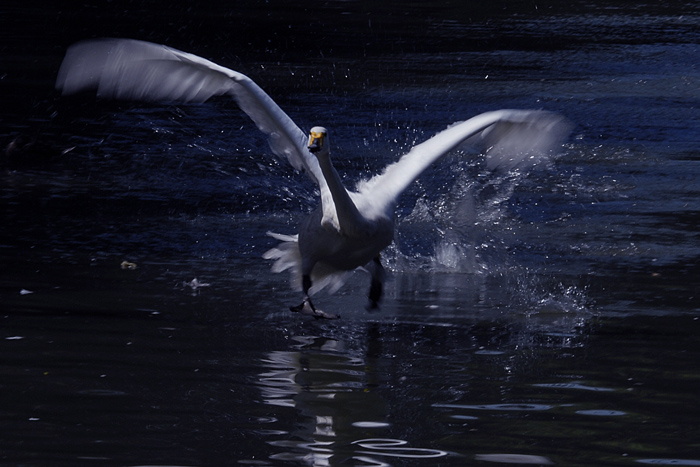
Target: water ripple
[[669, 461], [601, 413], [362, 424], [514, 407], [572, 386], [514, 459], [396, 448]]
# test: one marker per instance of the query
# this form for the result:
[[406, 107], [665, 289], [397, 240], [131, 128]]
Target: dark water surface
[[533, 315]]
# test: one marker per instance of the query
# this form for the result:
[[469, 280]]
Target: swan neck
[[333, 180], [349, 218]]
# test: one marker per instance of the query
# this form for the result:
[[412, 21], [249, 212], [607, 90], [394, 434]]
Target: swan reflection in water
[[335, 394], [334, 399]]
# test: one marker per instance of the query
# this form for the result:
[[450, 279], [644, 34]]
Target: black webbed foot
[[375, 294], [377, 286], [308, 308]]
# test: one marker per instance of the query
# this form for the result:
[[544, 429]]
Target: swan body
[[349, 229]]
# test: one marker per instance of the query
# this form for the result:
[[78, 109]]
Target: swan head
[[318, 141]]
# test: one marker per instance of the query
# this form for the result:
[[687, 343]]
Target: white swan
[[349, 229]]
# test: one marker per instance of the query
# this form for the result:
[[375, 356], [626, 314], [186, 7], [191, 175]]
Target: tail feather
[[287, 256]]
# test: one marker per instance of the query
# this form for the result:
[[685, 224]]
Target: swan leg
[[377, 286], [307, 307], [306, 285]]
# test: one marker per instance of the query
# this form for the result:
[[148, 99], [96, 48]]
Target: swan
[[350, 228]]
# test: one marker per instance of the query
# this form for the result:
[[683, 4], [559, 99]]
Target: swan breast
[[327, 245]]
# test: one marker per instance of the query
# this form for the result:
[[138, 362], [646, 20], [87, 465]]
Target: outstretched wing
[[137, 70], [505, 132]]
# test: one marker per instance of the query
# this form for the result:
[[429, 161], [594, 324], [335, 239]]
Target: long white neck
[[350, 221]]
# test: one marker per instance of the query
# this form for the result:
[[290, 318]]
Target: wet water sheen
[[543, 314]]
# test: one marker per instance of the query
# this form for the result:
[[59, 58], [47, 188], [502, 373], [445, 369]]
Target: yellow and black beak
[[316, 141]]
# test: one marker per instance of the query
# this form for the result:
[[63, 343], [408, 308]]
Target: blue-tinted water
[[544, 315]]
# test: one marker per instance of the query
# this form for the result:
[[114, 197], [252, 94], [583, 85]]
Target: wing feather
[[137, 70], [504, 132]]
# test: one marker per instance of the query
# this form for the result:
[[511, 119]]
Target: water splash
[[471, 229], [468, 228]]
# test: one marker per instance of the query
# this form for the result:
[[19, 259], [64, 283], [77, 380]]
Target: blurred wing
[[503, 131], [136, 70]]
